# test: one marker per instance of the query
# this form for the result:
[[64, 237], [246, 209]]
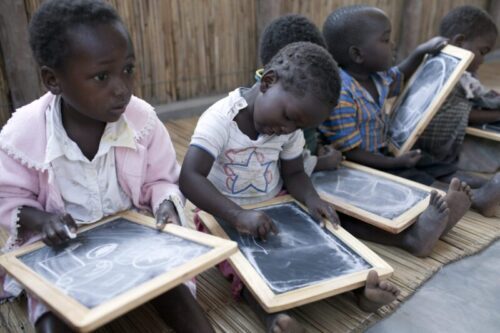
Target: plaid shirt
[[442, 139], [358, 120]]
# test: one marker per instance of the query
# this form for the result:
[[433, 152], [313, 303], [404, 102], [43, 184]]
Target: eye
[[129, 70], [101, 77]]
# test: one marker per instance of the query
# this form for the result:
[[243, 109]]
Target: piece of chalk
[[69, 232]]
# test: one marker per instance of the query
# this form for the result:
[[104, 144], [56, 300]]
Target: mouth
[[119, 109]]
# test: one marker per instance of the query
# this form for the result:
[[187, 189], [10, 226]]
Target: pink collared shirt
[[148, 174]]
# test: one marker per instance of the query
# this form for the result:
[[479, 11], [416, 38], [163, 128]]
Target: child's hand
[[328, 158], [255, 223], [320, 209], [166, 213], [433, 45], [57, 228], [409, 159]]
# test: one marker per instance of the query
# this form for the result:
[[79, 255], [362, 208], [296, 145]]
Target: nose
[[120, 88]]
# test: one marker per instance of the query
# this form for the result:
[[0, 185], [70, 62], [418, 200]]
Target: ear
[[267, 80], [50, 80], [458, 40], [356, 55]]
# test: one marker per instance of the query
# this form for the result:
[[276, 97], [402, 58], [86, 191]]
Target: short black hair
[[304, 67], [49, 26], [343, 28], [287, 29], [467, 20]]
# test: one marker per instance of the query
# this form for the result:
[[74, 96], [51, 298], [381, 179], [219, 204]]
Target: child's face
[[480, 46], [96, 79], [277, 111], [377, 48]]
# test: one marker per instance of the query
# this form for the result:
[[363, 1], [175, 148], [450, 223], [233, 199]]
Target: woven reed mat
[[337, 314]]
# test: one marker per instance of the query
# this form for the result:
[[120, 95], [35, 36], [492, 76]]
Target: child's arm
[[21, 214], [377, 161], [480, 116], [411, 63], [300, 187], [197, 188], [160, 190]]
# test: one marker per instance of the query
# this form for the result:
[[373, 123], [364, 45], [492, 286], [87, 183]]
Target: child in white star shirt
[[249, 144]]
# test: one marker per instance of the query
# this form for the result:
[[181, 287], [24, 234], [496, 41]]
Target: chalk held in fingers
[[70, 234]]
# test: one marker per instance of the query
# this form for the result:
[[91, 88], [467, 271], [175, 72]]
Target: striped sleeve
[[341, 128]]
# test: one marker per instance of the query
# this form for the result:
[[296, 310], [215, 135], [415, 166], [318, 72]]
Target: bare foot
[[458, 198], [283, 323], [486, 198], [376, 293], [328, 158], [423, 234]]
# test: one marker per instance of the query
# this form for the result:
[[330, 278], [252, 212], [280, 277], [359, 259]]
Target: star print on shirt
[[247, 170]]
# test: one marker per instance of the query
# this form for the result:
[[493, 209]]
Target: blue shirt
[[358, 120]]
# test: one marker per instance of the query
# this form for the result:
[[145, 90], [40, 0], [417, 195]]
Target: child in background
[[473, 29], [247, 145], [87, 149], [279, 33], [359, 38]]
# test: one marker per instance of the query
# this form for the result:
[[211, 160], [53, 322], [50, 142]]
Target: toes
[[372, 279], [442, 206], [454, 185], [432, 200]]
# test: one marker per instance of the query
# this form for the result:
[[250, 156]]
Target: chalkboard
[[389, 202], [118, 264], [486, 131], [300, 264], [424, 95]]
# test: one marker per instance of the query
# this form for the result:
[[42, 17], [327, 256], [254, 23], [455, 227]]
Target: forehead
[[98, 43]]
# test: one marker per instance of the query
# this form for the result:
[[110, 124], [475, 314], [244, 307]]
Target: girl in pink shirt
[[87, 135]]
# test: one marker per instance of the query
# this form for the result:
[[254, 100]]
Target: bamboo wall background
[[191, 48]]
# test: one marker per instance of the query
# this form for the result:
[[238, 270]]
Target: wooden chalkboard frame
[[465, 57], [83, 319], [394, 226], [481, 133], [273, 302]]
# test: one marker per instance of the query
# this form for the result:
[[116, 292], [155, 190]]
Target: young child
[[359, 38], [247, 145], [279, 33], [87, 148], [473, 29]]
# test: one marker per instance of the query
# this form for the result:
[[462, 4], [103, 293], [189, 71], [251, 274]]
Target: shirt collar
[[116, 134], [381, 80]]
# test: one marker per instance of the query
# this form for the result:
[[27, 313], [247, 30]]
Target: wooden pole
[[410, 28], [494, 10], [20, 67], [266, 11]]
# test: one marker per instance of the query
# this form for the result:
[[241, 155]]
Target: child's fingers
[[161, 222], [274, 228], [52, 236], [262, 232], [331, 216], [70, 222], [62, 231]]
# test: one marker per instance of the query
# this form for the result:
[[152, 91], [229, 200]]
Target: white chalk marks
[[426, 85], [302, 254], [110, 259], [372, 193]]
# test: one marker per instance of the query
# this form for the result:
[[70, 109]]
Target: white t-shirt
[[246, 171]]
